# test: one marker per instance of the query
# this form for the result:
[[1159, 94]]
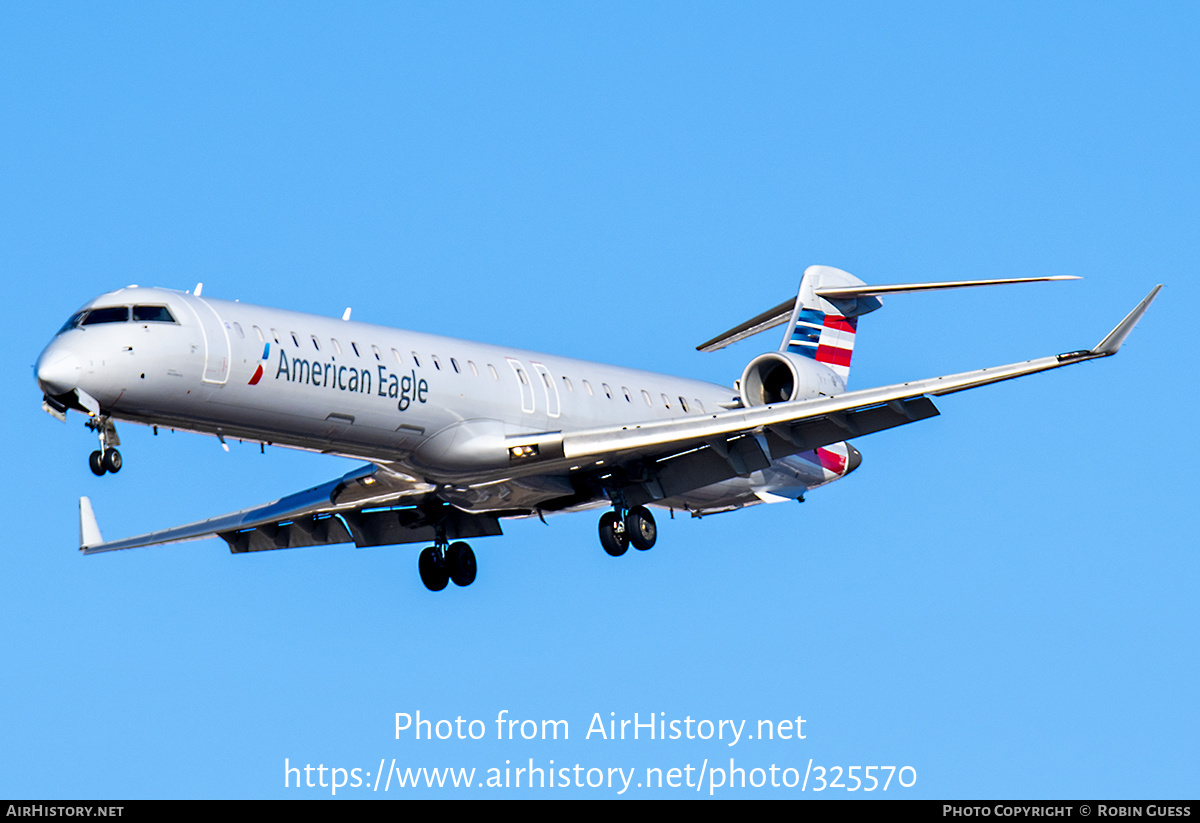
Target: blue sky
[[1002, 598]]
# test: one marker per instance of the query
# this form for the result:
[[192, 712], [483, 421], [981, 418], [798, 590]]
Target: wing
[[664, 458], [372, 506]]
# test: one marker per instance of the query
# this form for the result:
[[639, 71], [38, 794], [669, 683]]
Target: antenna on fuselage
[[346, 314], [199, 286]]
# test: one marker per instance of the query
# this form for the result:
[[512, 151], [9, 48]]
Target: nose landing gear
[[106, 458]]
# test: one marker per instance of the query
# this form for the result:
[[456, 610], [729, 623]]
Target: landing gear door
[[216, 341]]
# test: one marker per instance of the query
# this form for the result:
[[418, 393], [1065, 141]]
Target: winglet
[[1116, 337], [89, 529]]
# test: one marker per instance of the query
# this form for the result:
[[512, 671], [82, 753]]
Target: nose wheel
[[106, 459]]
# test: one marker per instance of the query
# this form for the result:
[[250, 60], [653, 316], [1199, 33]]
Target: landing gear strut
[[636, 527], [439, 564], [106, 458]]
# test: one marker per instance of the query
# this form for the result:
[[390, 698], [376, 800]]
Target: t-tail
[[821, 329], [822, 320]]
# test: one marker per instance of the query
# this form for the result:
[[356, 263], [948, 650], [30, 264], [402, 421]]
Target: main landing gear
[[636, 527], [106, 458], [439, 564]]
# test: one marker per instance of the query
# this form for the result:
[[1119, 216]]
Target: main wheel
[[460, 561], [96, 462], [111, 460], [612, 534], [639, 526], [433, 569]]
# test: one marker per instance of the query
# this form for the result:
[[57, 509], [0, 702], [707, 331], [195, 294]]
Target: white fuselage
[[435, 406]]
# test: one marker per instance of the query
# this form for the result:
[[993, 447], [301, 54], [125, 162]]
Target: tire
[[433, 570], [111, 460], [460, 561], [96, 463], [612, 538], [640, 528]]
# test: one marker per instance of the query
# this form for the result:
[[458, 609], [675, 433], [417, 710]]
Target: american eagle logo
[[258, 373]]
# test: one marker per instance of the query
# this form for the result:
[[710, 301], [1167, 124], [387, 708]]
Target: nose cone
[[58, 370], [853, 459]]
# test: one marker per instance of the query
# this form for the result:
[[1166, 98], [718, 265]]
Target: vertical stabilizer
[[823, 330]]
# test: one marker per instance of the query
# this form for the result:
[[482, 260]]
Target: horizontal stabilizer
[[851, 301], [853, 292]]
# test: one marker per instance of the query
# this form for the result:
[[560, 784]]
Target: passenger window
[[628, 396], [436, 364], [154, 314], [666, 401], [492, 371], [699, 405], [454, 363], [337, 347], [682, 403], [646, 397], [354, 346], [237, 327], [375, 351], [316, 345], [416, 360], [567, 382], [588, 388], [607, 390], [471, 365], [275, 334], [295, 339], [115, 314], [396, 355], [258, 333]]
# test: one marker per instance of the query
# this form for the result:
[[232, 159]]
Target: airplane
[[457, 436]]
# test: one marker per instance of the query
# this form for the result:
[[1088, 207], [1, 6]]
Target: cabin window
[[492, 371], [666, 401], [567, 383], [607, 390], [275, 334], [354, 346], [471, 366], [437, 365], [375, 351], [396, 355], [258, 333], [295, 339], [157, 314], [646, 397], [416, 360], [682, 403], [628, 396], [337, 347], [237, 327], [588, 388], [113, 314], [454, 365], [699, 405]]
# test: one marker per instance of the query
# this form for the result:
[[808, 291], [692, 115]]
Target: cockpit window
[[113, 314], [73, 322], [152, 314]]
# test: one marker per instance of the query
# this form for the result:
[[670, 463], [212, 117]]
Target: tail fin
[[822, 329]]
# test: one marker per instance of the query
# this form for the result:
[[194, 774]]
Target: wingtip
[[89, 529], [1112, 342]]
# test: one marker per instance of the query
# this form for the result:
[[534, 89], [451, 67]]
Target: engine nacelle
[[777, 377]]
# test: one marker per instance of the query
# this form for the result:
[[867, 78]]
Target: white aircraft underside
[[459, 435]]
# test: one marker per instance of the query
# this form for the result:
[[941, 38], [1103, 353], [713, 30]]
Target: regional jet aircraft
[[458, 436]]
